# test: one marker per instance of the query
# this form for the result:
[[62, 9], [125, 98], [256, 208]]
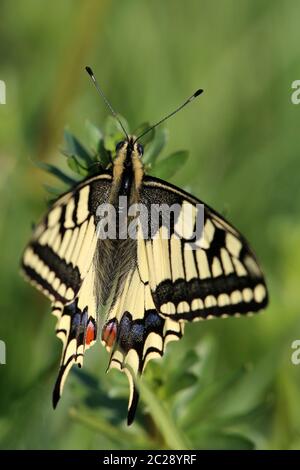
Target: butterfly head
[[128, 152], [128, 158], [129, 148]]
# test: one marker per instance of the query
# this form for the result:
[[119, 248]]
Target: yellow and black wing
[[217, 276], [172, 283], [59, 261], [134, 331], [167, 283]]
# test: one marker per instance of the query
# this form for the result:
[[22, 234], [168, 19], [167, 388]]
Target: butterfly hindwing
[[217, 278], [136, 333], [77, 328]]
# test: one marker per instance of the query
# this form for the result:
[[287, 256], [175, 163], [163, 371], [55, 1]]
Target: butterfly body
[[150, 285], [116, 255]]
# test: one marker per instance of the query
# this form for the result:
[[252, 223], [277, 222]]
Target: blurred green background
[[228, 383]]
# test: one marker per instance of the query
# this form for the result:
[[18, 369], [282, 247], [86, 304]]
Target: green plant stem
[[163, 420]]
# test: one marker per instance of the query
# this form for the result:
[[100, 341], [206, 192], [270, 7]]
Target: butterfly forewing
[[216, 278], [63, 244]]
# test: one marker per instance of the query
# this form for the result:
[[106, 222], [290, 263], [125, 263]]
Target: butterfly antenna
[[191, 98], [91, 74]]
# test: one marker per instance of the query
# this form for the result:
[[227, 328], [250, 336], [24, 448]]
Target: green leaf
[[53, 170], [52, 190], [204, 403], [156, 146], [167, 167], [248, 392], [103, 155], [75, 147], [209, 438], [75, 166], [173, 385], [112, 126], [98, 425], [96, 142], [111, 141], [86, 378], [206, 365], [94, 136], [114, 132], [179, 375], [246, 419], [148, 137]]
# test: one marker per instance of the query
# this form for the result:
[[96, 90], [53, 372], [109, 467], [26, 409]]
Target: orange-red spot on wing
[[90, 333], [109, 333]]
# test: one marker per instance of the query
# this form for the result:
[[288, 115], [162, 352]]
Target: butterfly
[[151, 284]]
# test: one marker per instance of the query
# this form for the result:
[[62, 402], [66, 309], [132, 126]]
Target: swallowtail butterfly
[[150, 286]]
